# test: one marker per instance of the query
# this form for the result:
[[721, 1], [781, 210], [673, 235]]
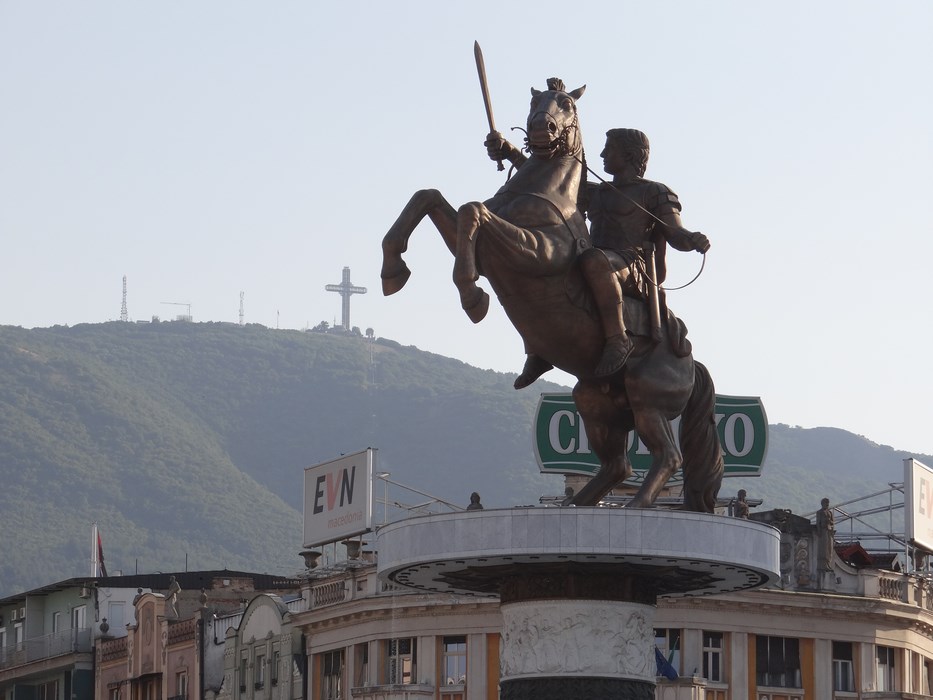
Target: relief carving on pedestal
[[577, 639]]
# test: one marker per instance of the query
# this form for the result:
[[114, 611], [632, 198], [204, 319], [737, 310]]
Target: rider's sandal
[[614, 356]]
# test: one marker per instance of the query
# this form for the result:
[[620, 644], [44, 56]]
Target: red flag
[[100, 555]]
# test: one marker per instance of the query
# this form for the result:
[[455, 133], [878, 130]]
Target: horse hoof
[[478, 309], [394, 281]]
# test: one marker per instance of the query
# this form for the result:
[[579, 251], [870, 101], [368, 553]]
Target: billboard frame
[[338, 499], [918, 504]]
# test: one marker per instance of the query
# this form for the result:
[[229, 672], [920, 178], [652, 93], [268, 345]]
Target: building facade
[[55, 640], [841, 625], [835, 627], [368, 640], [263, 655]]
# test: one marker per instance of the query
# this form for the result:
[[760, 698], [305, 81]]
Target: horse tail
[[699, 443]]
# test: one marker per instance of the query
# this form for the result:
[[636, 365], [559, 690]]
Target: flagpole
[[94, 562]]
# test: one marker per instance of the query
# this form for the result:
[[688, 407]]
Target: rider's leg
[[603, 280], [534, 367]]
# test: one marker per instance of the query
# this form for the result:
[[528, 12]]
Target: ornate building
[[853, 630]]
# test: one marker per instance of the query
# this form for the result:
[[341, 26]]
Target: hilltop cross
[[345, 289]]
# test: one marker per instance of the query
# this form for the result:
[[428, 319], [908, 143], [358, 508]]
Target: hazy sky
[[206, 148]]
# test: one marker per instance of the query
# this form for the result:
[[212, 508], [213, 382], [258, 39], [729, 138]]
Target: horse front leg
[[473, 300], [430, 203], [607, 428], [655, 431]]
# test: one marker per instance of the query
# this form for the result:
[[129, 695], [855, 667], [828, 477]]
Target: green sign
[[561, 446]]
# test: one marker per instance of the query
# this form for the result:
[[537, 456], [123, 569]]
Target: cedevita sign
[[561, 446]]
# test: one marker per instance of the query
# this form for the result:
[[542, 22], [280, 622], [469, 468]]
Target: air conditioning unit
[[85, 592]]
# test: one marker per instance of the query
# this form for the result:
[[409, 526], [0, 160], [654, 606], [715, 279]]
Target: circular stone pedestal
[[578, 586]]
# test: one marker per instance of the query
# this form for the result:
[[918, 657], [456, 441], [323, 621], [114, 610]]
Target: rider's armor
[[621, 220]]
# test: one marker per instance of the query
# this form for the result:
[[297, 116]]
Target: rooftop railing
[[46, 647]]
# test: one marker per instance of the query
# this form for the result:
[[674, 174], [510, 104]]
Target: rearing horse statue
[[525, 241]]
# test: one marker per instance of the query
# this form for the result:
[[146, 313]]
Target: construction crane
[[187, 316]]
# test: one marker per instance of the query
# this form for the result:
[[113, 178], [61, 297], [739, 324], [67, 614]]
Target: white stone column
[[583, 645], [738, 661], [823, 663]]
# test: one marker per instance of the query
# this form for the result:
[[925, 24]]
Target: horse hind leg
[[431, 203], [473, 300], [607, 429], [655, 431]]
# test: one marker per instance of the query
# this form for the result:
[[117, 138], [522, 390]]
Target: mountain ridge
[[186, 442]]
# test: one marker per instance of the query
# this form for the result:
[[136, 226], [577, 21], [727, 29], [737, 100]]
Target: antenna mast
[[124, 316]]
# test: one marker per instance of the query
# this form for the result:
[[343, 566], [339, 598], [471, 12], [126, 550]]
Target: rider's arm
[[679, 237], [499, 149], [666, 207]]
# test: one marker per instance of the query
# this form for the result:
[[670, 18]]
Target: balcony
[[46, 647], [393, 692], [329, 593]]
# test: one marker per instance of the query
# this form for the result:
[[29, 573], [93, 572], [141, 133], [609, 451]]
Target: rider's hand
[[700, 242], [497, 147]]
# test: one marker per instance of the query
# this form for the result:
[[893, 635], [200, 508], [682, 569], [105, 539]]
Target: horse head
[[553, 127]]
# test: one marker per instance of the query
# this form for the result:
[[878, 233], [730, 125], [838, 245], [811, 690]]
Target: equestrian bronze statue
[[587, 304]]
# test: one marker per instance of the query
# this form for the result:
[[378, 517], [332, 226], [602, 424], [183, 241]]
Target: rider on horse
[[624, 214]]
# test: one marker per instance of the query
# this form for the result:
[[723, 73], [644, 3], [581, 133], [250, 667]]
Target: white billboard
[[338, 498], [918, 503]]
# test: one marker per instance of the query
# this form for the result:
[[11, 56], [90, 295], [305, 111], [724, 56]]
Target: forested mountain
[[187, 442]]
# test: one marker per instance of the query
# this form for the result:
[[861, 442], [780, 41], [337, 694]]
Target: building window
[[274, 671], [79, 617], [885, 670], [56, 622], [114, 693], [18, 633], [259, 670], [712, 657], [331, 675], [181, 684], [843, 670], [243, 663], [361, 652], [777, 662], [117, 617], [47, 691], [668, 641], [454, 660], [401, 658]]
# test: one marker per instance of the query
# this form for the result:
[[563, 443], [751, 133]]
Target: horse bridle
[[561, 144]]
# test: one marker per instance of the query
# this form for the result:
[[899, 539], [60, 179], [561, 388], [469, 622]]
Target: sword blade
[[484, 86]]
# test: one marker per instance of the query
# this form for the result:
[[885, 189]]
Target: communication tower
[[241, 308], [124, 316]]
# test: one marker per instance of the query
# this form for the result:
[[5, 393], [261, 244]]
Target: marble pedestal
[[578, 586]]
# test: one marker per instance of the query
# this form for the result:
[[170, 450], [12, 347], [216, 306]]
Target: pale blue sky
[[208, 148]]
